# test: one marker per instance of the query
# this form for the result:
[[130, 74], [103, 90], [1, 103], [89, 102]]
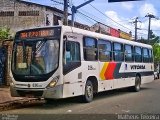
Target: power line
[[62, 3], [124, 20], [115, 21], [100, 22], [93, 16], [151, 29], [155, 30], [142, 33], [111, 18], [97, 17], [77, 10], [87, 16]]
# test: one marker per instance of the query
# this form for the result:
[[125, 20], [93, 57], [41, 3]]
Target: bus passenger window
[[90, 49], [138, 54], [105, 50], [118, 52], [145, 55], [128, 53]]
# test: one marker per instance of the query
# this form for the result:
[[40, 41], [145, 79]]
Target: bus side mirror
[[125, 55], [125, 52], [64, 49], [64, 57]]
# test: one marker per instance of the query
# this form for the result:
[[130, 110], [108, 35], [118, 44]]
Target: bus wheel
[[136, 88], [88, 95], [49, 100]]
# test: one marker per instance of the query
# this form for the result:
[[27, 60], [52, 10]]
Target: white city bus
[[63, 61]]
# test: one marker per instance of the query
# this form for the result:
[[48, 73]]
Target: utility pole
[[136, 20], [65, 19], [149, 25]]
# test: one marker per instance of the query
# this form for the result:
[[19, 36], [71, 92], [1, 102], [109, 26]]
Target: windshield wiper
[[40, 45]]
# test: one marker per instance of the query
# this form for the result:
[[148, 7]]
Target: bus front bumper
[[55, 93]]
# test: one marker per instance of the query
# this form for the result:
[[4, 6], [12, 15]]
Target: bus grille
[[31, 93]]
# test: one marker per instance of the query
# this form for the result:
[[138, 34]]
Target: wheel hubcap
[[89, 91], [138, 84]]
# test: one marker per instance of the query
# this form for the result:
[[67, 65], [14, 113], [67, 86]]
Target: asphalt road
[[120, 101]]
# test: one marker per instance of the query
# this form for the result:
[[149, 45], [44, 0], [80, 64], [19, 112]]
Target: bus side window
[[71, 56], [128, 53], [90, 49], [138, 54], [118, 53], [105, 50], [145, 55]]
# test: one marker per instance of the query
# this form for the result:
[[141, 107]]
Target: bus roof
[[95, 35], [102, 36]]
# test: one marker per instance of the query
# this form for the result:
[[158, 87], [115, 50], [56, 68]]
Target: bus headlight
[[53, 82]]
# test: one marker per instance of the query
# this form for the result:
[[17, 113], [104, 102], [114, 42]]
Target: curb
[[20, 103]]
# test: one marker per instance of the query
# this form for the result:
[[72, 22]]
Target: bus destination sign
[[36, 33]]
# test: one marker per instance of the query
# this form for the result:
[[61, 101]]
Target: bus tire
[[88, 95], [49, 100], [137, 86]]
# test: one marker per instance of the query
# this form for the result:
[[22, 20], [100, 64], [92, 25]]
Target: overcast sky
[[124, 13]]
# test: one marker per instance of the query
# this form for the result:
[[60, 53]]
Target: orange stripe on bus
[[103, 71]]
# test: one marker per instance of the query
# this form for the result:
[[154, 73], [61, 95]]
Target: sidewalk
[[5, 95], [7, 102]]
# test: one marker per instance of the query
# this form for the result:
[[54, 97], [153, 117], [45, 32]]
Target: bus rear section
[[99, 63]]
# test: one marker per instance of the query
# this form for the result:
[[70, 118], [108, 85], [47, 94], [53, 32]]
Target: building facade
[[18, 15], [104, 29]]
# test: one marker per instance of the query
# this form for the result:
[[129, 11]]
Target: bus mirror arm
[[65, 46], [65, 61], [125, 54]]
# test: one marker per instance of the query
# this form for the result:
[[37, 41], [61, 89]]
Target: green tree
[[153, 39], [155, 42], [4, 33], [156, 52]]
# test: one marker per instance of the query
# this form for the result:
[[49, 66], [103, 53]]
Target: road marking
[[69, 111], [127, 111]]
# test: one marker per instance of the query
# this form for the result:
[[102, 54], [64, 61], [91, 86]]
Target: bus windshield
[[35, 57]]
